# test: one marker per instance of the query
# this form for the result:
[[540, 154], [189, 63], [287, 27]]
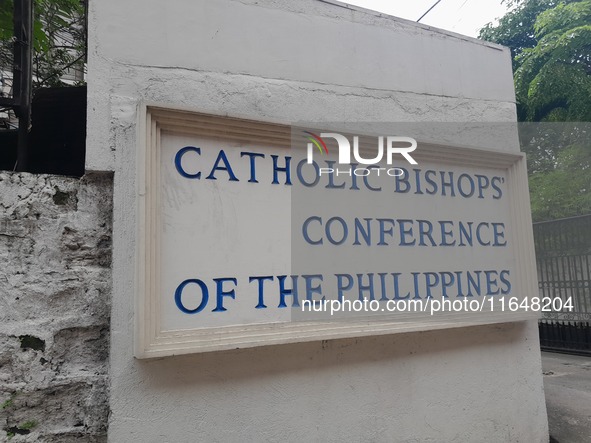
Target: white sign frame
[[151, 341]]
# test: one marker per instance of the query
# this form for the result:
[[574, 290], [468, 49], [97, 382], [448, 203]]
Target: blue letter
[[261, 304], [179, 167], [490, 282], [365, 233], [363, 288], [480, 225], [277, 169], [221, 293], [311, 290], [179, 292], [305, 230], [283, 292], [449, 184], [222, 158], [301, 177], [446, 282], [329, 235], [430, 283], [483, 183], [499, 234], [425, 232], [383, 230], [331, 184], [506, 282], [494, 183], [445, 234], [341, 287], [404, 232], [402, 179], [252, 156], [472, 185]]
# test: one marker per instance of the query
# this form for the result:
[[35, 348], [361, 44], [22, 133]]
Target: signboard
[[254, 233]]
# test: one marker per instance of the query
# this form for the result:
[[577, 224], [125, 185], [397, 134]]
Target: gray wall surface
[[55, 286]]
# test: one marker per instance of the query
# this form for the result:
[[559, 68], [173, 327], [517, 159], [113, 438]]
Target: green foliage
[[553, 81], [562, 192], [7, 404], [5, 19], [28, 425], [516, 29], [59, 34], [559, 166], [551, 46]]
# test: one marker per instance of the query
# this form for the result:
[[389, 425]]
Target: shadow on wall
[[254, 363]]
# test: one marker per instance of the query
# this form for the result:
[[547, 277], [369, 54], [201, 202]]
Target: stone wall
[[55, 292]]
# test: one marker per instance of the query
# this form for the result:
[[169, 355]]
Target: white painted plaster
[[286, 61]]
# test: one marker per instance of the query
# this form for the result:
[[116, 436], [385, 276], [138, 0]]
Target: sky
[[461, 16]]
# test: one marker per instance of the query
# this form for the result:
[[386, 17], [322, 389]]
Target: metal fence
[[563, 256]]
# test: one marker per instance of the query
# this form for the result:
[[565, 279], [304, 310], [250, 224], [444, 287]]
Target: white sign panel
[[246, 240]]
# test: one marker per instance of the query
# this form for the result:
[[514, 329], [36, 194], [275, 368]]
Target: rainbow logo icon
[[318, 142]]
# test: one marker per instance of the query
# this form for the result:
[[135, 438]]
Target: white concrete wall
[[287, 61]]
